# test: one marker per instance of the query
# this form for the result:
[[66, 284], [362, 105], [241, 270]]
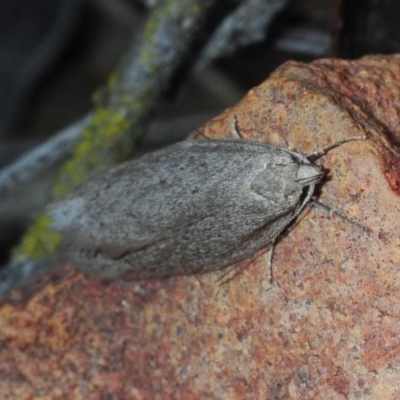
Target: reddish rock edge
[[329, 326]]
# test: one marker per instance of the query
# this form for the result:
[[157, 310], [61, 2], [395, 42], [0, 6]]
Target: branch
[[247, 24], [36, 161]]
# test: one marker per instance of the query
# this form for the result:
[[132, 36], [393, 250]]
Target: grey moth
[[193, 207]]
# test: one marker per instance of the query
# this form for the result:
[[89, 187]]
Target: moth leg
[[235, 129], [319, 153], [240, 266], [270, 254], [200, 133], [328, 210]]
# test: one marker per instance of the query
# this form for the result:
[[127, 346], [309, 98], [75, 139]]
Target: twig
[[245, 25], [38, 160]]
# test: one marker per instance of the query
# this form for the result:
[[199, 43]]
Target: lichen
[[41, 241], [94, 152]]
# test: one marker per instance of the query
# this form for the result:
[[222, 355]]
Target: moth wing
[[139, 203]]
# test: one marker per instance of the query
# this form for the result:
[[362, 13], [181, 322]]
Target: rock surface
[[328, 328]]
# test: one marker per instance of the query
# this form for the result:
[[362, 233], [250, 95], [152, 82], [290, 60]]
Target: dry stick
[[39, 159], [247, 24]]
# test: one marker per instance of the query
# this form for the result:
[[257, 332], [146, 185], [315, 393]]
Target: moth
[[192, 207]]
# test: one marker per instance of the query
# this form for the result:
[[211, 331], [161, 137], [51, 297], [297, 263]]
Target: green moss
[[97, 150], [41, 241]]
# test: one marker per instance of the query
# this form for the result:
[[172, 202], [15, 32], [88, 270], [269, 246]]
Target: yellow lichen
[[106, 130], [41, 241]]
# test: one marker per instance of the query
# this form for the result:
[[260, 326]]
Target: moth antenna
[[319, 153]]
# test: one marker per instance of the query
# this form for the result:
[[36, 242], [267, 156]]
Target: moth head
[[308, 174], [284, 183]]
